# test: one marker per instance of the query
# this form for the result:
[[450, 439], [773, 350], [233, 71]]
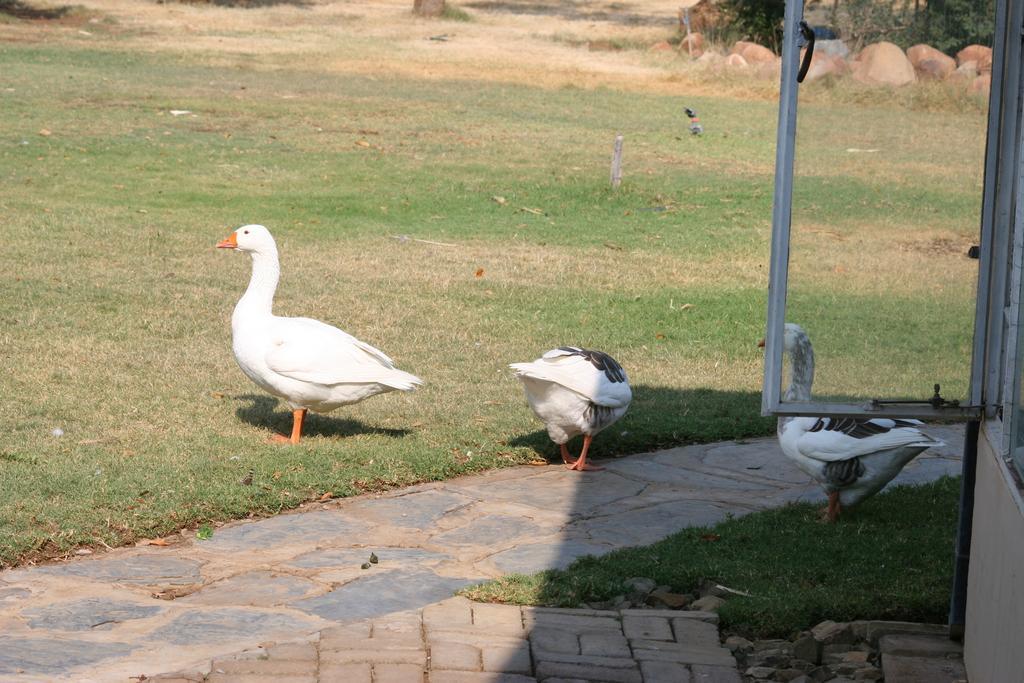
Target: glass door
[[878, 200]]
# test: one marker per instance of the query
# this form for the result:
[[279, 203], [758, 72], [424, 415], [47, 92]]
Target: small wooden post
[[689, 40], [617, 163]]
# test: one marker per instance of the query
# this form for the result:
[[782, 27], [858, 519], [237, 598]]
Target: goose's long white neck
[[258, 300], [801, 369]]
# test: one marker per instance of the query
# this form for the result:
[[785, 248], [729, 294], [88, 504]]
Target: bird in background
[[575, 391], [695, 127], [852, 458], [308, 363]]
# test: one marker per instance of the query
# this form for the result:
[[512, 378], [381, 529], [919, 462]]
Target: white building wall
[[994, 637]]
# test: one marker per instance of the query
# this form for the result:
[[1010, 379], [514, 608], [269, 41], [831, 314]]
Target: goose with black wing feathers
[[575, 391], [852, 458]]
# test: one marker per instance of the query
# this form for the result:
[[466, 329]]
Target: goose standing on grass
[[310, 364], [852, 458], [575, 391]]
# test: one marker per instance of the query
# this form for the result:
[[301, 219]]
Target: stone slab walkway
[[145, 610]]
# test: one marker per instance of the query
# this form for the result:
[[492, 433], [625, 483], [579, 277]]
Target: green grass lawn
[[892, 558], [115, 304]]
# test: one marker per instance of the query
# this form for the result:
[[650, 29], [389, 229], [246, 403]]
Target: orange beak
[[230, 243], [760, 344]]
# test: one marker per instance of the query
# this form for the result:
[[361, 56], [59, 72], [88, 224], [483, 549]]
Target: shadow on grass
[[262, 412], [21, 10], [665, 417]]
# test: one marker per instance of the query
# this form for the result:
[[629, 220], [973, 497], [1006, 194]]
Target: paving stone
[[292, 651], [413, 644], [589, 660], [307, 528], [452, 612], [353, 672], [693, 632], [53, 656], [87, 614], [699, 615], [375, 655], [554, 639], [381, 593], [230, 624], [504, 619], [535, 557], [266, 667], [477, 677], [398, 673], [257, 589], [488, 531], [478, 638], [647, 628], [454, 656], [651, 524], [13, 594], [142, 569], [259, 678], [902, 669], [575, 622], [877, 629], [756, 457], [701, 673], [608, 644], [918, 646], [664, 672], [545, 670], [688, 655], [514, 660], [419, 510], [336, 558], [357, 630]]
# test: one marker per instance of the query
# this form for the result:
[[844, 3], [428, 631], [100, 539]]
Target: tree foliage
[[758, 20]]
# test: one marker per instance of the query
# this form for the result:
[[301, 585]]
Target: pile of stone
[[846, 652], [831, 652], [880, 63]]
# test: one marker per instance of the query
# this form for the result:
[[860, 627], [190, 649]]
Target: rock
[[707, 604], [823, 65], [776, 657], [985, 63], [868, 674], [830, 632], [752, 52], [763, 673], [692, 45], [884, 64], [807, 648], [640, 584], [967, 70], [428, 8], [738, 644], [663, 46], [668, 599], [856, 657], [935, 70], [833, 48], [981, 85], [788, 674], [736, 60], [931, 64], [974, 53]]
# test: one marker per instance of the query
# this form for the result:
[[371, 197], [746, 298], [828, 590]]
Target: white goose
[[310, 364], [575, 391], [851, 458]]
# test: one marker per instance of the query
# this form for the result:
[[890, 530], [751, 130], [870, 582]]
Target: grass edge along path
[[889, 559]]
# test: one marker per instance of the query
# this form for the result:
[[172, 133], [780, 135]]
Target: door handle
[[808, 34]]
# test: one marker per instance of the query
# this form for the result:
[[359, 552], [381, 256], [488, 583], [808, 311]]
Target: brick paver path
[[457, 641]]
